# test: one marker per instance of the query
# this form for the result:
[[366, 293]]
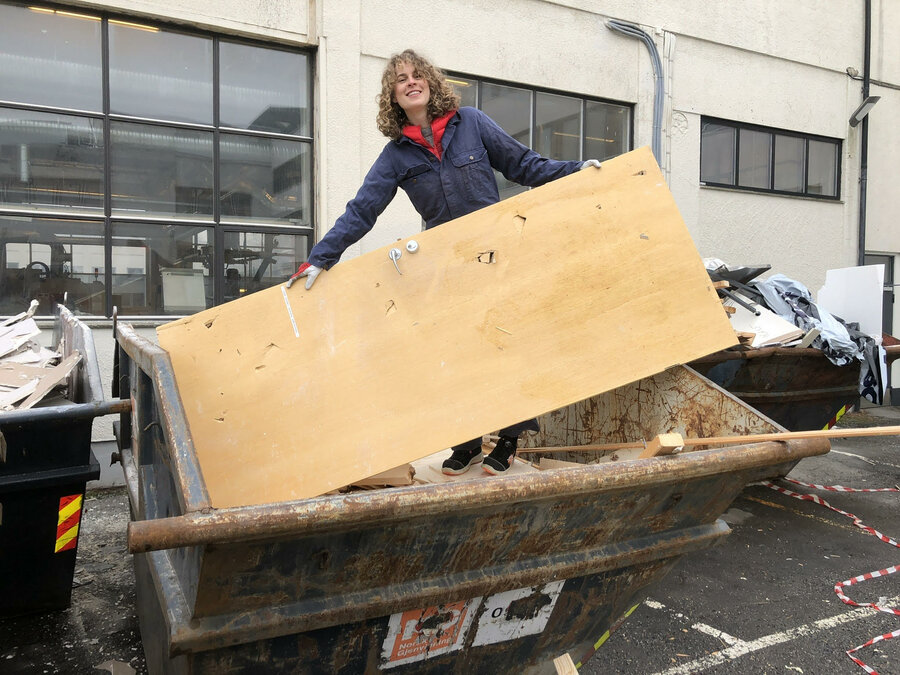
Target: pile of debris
[[29, 372], [780, 311]]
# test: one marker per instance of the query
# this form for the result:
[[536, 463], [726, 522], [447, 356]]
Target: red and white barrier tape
[[840, 488], [863, 577]]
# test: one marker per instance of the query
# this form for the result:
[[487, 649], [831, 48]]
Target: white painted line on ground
[[744, 648], [716, 633]]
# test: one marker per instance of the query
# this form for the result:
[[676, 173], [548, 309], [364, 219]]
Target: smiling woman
[[443, 156]]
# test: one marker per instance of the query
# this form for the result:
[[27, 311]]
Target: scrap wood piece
[[32, 354], [723, 283], [564, 665], [396, 477], [14, 374], [662, 444], [9, 398], [439, 352], [545, 463], [14, 337], [53, 377], [27, 314]]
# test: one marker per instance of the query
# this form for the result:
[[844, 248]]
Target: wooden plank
[[574, 288], [743, 439]]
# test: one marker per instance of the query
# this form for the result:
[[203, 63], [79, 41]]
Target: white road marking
[[716, 633], [744, 648]]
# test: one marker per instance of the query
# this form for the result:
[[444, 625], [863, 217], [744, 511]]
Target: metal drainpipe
[[634, 31], [864, 138]]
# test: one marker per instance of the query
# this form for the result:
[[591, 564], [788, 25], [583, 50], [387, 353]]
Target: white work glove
[[589, 163], [308, 271]]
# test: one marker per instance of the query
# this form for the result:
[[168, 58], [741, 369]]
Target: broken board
[[565, 291]]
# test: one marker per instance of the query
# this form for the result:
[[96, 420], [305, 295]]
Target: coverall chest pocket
[[473, 172], [415, 175]]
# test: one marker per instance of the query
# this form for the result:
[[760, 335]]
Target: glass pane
[[790, 154], [558, 126], [755, 154], [606, 130], [161, 269], [263, 89], [823, 163], [265, 179], [158, 74], [161, 171], [511, 109], [717, 154], [258, 260], [467, 90], [50, 57], [43, 259], [51, 161]]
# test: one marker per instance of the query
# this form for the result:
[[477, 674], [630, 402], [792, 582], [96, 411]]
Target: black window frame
[[773, 132], [217, 222], [480, 81]]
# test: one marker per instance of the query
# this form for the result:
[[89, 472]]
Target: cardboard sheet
[[571, 289]]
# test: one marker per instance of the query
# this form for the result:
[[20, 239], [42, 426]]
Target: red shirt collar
[[438, 125]]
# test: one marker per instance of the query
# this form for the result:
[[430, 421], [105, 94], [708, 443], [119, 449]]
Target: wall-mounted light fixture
[[863, 109]]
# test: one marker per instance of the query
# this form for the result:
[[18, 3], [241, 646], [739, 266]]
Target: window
[[559, 126], [146, 167], [768, 160]]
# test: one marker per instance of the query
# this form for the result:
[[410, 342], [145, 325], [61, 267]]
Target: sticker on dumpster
[[420, 634], [67, 523], [514, 614]]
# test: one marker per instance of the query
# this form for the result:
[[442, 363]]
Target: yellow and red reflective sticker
[[67, 525]]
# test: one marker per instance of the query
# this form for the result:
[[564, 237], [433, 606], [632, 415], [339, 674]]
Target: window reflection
[[790, 154], [467, 90], [265, 179], [717, 154], [45, 259], [558, 126], [606, 130], [258, 260], [161, 171], [263, 89], [755, 157], [161, 269], [160, 74], [51, 57], [823, 163], [510, 108], [51, 161]]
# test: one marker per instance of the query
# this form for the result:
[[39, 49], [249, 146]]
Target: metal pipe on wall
[[864, 137]]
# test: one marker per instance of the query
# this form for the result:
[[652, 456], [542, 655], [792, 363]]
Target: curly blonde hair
[[391, 117]]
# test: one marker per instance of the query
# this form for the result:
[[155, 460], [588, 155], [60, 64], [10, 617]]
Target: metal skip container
[[501, 575], [45, 462]]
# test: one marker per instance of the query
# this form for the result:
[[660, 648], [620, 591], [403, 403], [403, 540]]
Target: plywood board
[[571, 289]]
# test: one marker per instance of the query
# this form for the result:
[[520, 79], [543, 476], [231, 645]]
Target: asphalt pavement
[[763, 601]]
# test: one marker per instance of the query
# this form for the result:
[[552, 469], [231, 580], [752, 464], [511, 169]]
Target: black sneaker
[[461, 461], [501, 457]]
